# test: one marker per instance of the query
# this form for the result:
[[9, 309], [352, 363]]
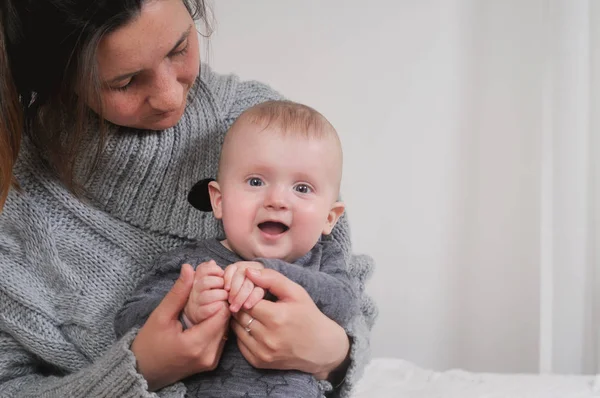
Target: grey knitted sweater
[[67, 265], [321, 272]]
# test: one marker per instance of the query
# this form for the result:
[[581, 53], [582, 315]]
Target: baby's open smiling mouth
[[273, 227]]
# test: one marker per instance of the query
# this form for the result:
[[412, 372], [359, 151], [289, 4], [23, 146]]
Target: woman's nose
[[167, 94]]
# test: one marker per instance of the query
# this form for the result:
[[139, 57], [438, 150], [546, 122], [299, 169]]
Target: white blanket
[[386, 377]]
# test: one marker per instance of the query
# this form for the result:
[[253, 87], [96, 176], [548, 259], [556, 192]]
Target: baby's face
[[278, 193]]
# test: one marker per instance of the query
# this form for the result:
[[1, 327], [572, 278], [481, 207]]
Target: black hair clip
[[199, 196]]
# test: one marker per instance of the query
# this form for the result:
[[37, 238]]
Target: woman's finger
[[242, 321], [248, 354], [211, 327], [207, 338], [242, 317], [181, 353], [259, 347], [277, 284], [173, 303]]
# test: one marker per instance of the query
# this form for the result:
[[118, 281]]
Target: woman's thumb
[[177, 297], [276, 283]]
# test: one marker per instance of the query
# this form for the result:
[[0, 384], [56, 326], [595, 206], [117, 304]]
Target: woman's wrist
[[339, 359]]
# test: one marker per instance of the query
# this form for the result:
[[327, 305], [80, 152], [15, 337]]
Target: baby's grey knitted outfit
[[322, 272], [68, 263]]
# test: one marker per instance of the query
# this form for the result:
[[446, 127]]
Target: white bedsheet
[[386, 377]]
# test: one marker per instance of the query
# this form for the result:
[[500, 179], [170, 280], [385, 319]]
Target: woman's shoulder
[[232, 94]]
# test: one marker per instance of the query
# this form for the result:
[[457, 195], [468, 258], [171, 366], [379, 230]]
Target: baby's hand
[[241, 290], [207, 295]]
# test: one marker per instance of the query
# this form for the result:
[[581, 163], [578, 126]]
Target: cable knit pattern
[[68, 264]]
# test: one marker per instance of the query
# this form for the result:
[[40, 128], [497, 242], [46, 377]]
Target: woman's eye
[[181, 51], [123, 88], [255, 182], [303, 188]]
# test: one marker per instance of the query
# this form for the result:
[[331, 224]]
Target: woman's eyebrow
[[183, 37], [126, 76]]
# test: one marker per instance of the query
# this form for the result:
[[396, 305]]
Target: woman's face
[[147, 67]]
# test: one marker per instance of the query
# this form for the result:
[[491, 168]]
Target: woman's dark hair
[[48, 69]]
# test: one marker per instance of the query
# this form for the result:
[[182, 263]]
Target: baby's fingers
[[237, 281], [242, 295], [258, 293], [201, 313], [210, 296], [207, 283], [230, 271], [208, 268]]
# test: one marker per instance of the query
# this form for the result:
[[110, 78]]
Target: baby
[[276, 194]]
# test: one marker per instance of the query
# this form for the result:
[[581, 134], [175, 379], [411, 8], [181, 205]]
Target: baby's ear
[[334, 214], [216, 199], [198, 195]]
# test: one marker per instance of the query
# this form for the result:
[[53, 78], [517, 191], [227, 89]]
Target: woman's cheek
[[118, 106]]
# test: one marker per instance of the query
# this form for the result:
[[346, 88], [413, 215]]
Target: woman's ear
[[334, 214], [216, 199]]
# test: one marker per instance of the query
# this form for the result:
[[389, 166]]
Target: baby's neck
[[226, 244]]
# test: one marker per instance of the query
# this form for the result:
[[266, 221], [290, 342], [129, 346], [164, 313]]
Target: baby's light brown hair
[[286, 118]]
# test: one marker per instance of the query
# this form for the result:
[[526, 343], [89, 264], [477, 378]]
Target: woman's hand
[[165, 353], [291, 333]]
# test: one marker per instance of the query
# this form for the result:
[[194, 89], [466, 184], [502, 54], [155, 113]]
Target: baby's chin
[[276, 253]]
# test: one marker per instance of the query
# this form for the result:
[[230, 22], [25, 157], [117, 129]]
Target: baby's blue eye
[[303, 188], [255, 182]]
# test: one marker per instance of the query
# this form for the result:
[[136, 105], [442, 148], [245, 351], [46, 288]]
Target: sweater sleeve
[[146, 297], [31, 345], [148, 294], [25, 375], [330, 287], [37, 359]]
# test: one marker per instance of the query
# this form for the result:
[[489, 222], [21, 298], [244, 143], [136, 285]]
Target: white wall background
[[445, 115]]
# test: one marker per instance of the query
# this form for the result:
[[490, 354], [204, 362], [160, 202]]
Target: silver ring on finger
[[247, 327]]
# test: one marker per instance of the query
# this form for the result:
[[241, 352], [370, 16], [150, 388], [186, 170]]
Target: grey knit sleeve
[[36, 357], [146, 297], [360, 268], [24, 375], [328, 283], [148, 294]]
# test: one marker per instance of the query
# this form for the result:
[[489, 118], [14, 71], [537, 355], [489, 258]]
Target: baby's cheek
[[309, 231], [236, 220]]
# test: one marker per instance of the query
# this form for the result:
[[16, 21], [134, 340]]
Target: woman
[[105, 124]]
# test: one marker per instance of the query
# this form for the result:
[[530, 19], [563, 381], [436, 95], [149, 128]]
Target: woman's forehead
[[145, 40]]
